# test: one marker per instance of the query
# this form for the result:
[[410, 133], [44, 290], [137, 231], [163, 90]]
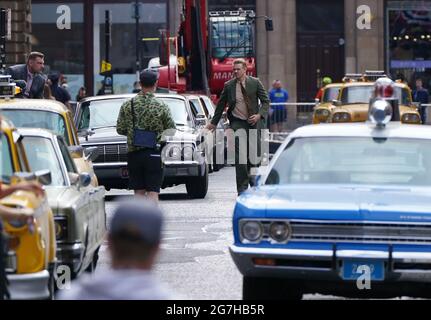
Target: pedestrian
[[143, 119], [278, 112], [82, 93], [59, 92], [421, 95], [136, 87], [242, 95], [325, 82], [16, 214], [31, 73], [133, 242], [47, 93]]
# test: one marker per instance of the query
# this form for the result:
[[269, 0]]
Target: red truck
[[205, 46]]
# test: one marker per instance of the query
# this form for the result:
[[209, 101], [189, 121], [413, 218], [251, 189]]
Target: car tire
[[270, 289], [197, 187]]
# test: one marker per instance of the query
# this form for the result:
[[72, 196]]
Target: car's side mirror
[[85, 133], [76, 151], [80, 179], [336, 103], [84, 179], [91, 153], [201, 120], [417, 105], [44, 177]]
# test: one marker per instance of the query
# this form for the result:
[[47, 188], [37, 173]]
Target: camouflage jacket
[[150, 114]]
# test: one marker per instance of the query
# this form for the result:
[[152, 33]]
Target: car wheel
[[270, 289], [197, 187]]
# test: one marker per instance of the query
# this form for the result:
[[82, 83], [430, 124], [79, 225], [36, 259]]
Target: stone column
[[364, 47], [20, 45], [276, 50]]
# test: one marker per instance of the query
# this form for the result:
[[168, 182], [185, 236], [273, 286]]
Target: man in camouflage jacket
[[144, 165]]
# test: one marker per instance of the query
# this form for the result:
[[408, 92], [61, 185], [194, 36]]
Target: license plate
[[353, 269]]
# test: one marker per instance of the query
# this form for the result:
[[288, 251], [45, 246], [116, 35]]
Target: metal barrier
[[303, 114]]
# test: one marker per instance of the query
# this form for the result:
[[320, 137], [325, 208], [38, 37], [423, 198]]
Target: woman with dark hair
[[82, 93]]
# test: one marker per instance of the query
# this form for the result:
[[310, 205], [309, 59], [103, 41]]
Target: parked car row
[[189, 155], [348, 101], [69, 221]]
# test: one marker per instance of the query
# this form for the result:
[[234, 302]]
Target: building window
[[409, 40], [122, 53], [60, 39]]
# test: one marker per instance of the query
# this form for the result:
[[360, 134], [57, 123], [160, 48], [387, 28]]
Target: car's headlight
[[410, 118], [341, 117], [188, 152], [280, 231], [60, 227], [173, 152], [252, 231], [322, 113]]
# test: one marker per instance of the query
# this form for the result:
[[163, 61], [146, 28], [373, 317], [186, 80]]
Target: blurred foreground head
[[135, 234]]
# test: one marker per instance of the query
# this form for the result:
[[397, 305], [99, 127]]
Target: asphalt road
[[194, 261]]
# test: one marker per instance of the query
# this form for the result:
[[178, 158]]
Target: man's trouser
[[4, 293], [247, 153]]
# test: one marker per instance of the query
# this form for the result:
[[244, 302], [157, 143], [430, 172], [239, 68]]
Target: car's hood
[[110, 134], [103, 135], [358, 111], [326, 202], [55, 195]]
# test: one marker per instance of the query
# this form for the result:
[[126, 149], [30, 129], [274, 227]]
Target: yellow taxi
[[31, 246], [322, 110], [354, 97], [54, 116]]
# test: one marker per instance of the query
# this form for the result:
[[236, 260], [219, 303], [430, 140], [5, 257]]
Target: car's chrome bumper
[[70, 254], [325, 264], [29, 286], [182, 168]]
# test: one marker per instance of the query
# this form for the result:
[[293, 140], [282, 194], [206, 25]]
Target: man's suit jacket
[[255, 92], [19, 72]]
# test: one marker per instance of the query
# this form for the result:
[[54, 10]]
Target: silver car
[[78, 207]]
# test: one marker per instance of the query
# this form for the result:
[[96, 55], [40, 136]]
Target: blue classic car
[[342, 209]]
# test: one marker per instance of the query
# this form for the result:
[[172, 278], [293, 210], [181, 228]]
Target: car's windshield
[[42, 156], [5, 159], [363, 94], [99, 113], [178, 110], [231, 38], [353, 160], [104, 113], [330, 94], [38, 119]]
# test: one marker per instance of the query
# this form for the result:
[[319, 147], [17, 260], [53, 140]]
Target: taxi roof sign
[[7, 88]]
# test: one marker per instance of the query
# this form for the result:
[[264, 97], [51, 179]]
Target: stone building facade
[[18, 47]]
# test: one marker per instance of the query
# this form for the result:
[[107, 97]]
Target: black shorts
[[278, 115], [145, 170]]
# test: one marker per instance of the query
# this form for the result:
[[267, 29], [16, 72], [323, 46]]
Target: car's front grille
[[111, 152], [361, 232]]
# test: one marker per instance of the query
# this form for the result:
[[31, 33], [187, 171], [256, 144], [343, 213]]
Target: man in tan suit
[[242, 95]]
